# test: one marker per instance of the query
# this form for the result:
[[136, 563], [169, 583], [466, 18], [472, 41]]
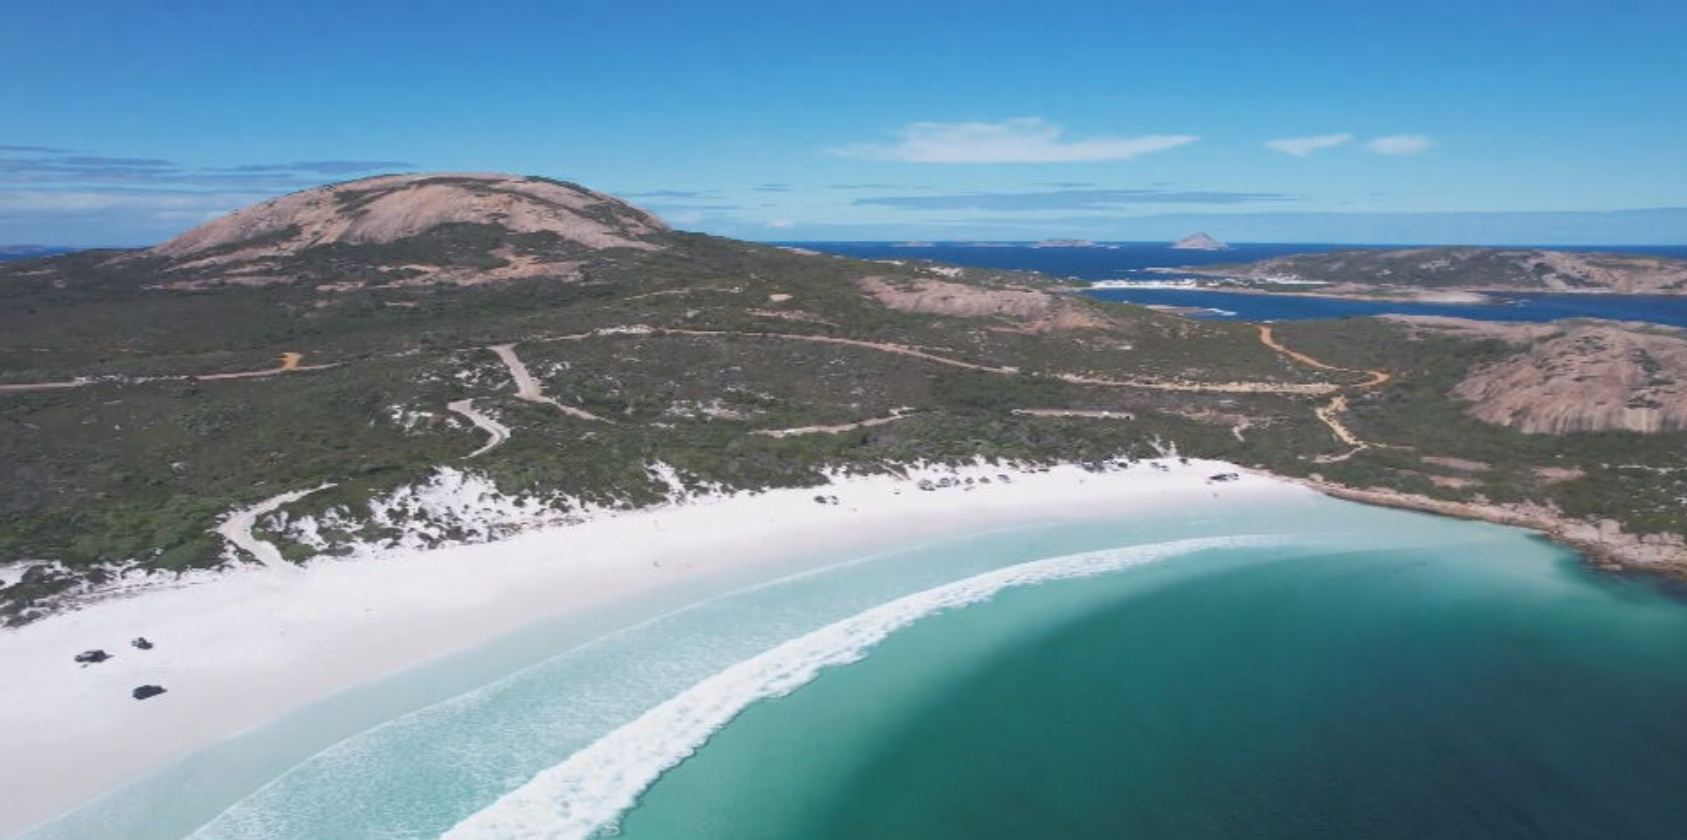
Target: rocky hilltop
[[1468, 268], [1588, 378], [449, 227], [1199, 242], [1575, 376], [420, 360]]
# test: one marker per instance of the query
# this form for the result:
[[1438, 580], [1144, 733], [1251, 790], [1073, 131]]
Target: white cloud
[[1019, 140], [1303, 146], [1400, 144], [46, 201], [781, 223], [110, 216]]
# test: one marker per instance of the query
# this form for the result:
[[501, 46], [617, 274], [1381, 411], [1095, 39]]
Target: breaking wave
[[592, 788]]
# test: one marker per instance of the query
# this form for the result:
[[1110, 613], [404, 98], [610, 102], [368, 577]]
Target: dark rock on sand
[[142, 692], [142, 643], [89, 657]]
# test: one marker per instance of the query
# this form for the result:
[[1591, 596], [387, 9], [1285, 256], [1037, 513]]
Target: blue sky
[[1492, 121]]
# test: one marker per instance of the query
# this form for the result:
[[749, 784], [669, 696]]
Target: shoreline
[[245, 647], [1379, 292], [1603, 546], [1482, 297]]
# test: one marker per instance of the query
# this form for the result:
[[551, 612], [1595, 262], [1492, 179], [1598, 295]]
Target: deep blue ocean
[[1127, 261]]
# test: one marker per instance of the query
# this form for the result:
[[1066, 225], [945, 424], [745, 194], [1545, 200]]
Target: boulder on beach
[[89, 657], [141, 643]]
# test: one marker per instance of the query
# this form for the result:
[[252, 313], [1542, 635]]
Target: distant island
[[1065, 243], [19, 252], [1199, 242]]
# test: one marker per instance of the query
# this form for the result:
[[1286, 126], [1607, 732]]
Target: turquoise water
[[1463, 693], [1304, 668]]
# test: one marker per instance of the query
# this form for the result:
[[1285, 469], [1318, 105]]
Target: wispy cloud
[[85, 200], [1400, 144], [111, 199], [1099, 199], [102, 170], [666, 208], [138, 163], [320, 167], [670, 194], [773, 188], [1303, 146], [1019, 140], [5, 147], [781, 223]]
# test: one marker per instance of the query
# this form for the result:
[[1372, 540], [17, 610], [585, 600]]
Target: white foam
[[592, 788]]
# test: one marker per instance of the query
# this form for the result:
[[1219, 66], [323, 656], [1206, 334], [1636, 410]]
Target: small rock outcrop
[[1029, 310], [1199, 242], [142, 692], [90, 657], [140, 642]]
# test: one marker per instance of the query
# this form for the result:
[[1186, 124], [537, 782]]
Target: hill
[[421, 360], [1468, 268]]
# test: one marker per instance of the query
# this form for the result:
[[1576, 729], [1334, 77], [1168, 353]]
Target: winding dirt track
[[528, 388], [1377, 376], [1077, 379], [289, 364], [497, 432], [1075, 412], [1330, 413], [832, 430], [237, 528]]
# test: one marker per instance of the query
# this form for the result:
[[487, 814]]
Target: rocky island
[[1199, 242]]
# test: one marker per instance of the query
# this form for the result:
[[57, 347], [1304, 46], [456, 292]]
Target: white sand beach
[[240, 648]]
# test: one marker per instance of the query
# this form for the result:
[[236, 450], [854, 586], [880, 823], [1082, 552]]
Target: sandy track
[[841, 427], [237, 528], [1330, 413], [1313, 388], [496, 431], [289, 364], [1377, 376], [1075, 412], [528, 388]]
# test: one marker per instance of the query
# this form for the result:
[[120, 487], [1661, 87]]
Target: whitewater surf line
[[592, 788]]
